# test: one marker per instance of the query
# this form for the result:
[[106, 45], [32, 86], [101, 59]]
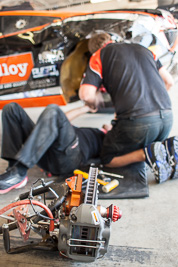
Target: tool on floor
[[109, 187], [85, 175], [110, 174], [73, 223]]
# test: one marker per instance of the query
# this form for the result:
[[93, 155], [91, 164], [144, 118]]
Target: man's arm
[[91, 96], [74, 113], [165, 75], [167, 78], [124, 160]]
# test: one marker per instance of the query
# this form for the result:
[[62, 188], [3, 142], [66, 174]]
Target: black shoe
[[12, 179], [171, 145], [156, 158]]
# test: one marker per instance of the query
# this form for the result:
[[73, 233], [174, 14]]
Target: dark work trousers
[[130, 134], [52, 143]]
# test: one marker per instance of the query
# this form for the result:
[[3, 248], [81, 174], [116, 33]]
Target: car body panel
[[35, 44]]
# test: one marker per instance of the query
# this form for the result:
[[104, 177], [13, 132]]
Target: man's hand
[[90, 109], [91, 96], [107, 127], [97, 102]]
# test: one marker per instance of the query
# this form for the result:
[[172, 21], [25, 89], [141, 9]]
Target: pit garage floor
[[147, 233]]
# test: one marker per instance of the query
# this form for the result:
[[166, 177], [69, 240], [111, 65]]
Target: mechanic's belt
[[160, 113]]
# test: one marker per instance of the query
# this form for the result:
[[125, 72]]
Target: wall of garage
[[114, 4], [83, 5]]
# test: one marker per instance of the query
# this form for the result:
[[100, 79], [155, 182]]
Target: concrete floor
[[146, 235]]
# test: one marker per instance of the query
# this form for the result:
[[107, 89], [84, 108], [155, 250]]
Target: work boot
[[156, 158]]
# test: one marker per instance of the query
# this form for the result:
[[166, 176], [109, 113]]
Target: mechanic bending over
[[53, 143], [137, 85]]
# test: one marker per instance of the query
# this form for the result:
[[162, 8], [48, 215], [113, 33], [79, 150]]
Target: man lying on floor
[[53, 143]]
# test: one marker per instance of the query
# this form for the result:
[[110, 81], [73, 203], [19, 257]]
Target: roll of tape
[[113, 184]]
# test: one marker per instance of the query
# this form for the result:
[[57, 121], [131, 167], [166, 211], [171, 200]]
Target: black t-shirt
[[130, 75], [90, 141]]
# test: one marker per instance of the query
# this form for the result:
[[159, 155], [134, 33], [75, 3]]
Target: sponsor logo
[[45, 71], [16, 68], [51, 56]]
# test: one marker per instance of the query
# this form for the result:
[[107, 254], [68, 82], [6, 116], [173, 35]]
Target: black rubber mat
[[133, 185]]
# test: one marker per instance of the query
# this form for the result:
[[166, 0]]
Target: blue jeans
[[131, 134]]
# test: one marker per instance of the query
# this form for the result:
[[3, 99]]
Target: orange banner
[[16, 68]]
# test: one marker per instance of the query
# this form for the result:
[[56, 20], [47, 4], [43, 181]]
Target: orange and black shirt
[[130, 75]]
